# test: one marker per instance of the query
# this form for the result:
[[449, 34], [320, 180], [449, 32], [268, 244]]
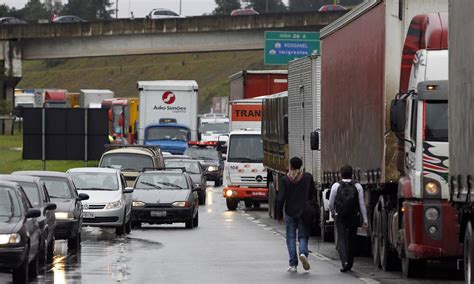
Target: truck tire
[[271, 200], [375, 236], [468, 254], [20, 274], [231, 203], [256, 204], [387, 257], [248, 204]]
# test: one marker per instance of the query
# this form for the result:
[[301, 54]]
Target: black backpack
[[347, 200]]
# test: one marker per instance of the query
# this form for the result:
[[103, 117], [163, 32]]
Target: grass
[[11, 159], [121, 73]]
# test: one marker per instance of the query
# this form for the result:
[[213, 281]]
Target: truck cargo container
[[246, 114], [168, 114], [461, 126], [255, 83], [362, 72], [213, 126], [90, 98], [55, 99], [24, 100]]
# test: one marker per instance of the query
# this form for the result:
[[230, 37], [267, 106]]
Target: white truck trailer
[[90, 98]]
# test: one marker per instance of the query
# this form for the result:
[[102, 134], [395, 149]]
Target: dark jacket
[[294, 195]]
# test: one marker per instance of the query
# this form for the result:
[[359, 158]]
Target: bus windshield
[[167, 133]]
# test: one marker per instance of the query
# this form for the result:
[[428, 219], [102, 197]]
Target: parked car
[[68, 20], [195, 170], [211, 160], [165, 197], [132, 159], [36, 192], [244, 12], [163, 13], [20, 233], [332, 8], [68, 213], [11, 21], [110, 201]]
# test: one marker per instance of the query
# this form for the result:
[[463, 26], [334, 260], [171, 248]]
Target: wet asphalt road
[[227, 247]]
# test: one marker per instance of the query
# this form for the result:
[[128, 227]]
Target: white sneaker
[[292, 269], [304, 261]]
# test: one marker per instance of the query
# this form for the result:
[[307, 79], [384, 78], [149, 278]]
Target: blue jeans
[[292, 224]]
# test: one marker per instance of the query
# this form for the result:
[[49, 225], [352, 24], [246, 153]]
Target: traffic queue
[[133, 185]]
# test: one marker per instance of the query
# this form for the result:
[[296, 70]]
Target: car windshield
[[32, 192], [192, 167], [245, 149], [436, 121], [215, 127], [95, 180], [126, 162], [57, 187], [167, 133], [159, 181], [202, 154], [9, 205]]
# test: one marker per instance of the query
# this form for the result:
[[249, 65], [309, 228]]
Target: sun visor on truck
[[433, 90]]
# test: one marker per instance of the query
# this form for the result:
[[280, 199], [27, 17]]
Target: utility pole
[[180, 6], [266, 6], [116, 9]]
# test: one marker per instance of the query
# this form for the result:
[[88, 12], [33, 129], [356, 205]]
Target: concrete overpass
[[143, 36]]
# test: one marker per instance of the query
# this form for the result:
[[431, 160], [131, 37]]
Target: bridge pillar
[[11, 70]]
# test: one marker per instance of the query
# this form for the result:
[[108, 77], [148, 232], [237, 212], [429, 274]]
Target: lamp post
[[180, 6], [116, 9]]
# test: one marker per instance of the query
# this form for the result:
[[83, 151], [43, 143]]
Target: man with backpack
[[346, 203], [297, 194]]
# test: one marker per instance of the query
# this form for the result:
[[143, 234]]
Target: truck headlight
[[63, 215], [212, 169], [138, 204], [432, 188], [230, 192], [180, 204], [9, 239], [432, 214], [114, 205]]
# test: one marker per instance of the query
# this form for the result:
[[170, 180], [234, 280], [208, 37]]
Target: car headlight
[[138, 204], [212, 169], [432, 188], [63, 215], [180, 204], [432, 214], [9, 239], [114, 205]]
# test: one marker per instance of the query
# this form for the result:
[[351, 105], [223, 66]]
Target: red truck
[[381, 103], [256, 83], [55, 99]]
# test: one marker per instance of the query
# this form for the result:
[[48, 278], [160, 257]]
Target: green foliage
[[268, 6], [304, 5], [225, 7], [89, 9], [33, 11]]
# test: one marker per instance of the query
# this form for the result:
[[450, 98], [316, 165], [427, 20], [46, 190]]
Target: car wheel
[[74, 242], [33, 268], [202, 199], [189, 223], [218, 182], [128, 226], [248, 204], [136, 225], [196, 220], [50, 252], [20, 274], [231, 203], [43, 251], [121, 230]]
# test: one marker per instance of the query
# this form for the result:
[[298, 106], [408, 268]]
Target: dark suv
[[211, 160]]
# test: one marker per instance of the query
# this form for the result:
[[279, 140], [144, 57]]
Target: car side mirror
[[398, 115], [83, 196], [314, 140], [33, 213], [128, 190], [196, 187], [50, 206]]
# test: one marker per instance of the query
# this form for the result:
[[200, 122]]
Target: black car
[[11, 21], [20, 234], [68, 213], [68, 20], [35, 190], [212, 161], [165, 197], [195, 170]]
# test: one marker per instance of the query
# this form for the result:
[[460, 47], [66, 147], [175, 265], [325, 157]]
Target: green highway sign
[[282, 47]]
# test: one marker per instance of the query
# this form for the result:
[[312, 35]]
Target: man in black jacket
[[297, 194]]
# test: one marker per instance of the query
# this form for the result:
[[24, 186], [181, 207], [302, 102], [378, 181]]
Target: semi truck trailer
[[248, 84]]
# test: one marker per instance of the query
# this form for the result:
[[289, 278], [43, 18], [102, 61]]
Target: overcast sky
[[142, 7]]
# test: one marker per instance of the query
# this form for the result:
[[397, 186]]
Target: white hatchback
[[163, 13]]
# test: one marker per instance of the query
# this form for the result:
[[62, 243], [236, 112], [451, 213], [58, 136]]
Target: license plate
[[158, 213], [259, 193], [88, 215]]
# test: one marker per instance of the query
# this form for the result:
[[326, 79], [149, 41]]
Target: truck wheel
[[387, 258], [412, 267], [256, 204], [20, 274], [231, 203], [468, 253], [375, 236], [271, 200], [248, 204]]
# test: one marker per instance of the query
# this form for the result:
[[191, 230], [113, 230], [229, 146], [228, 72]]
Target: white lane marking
[[369, 281]]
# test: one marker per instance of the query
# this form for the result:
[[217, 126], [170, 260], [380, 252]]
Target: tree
[[304, 5], [225, 7], [33, 10], [89, 9], [5, 10], [268, 6]]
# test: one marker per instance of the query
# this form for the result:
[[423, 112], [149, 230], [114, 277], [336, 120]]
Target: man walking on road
[[346, 203], [297, 194]]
